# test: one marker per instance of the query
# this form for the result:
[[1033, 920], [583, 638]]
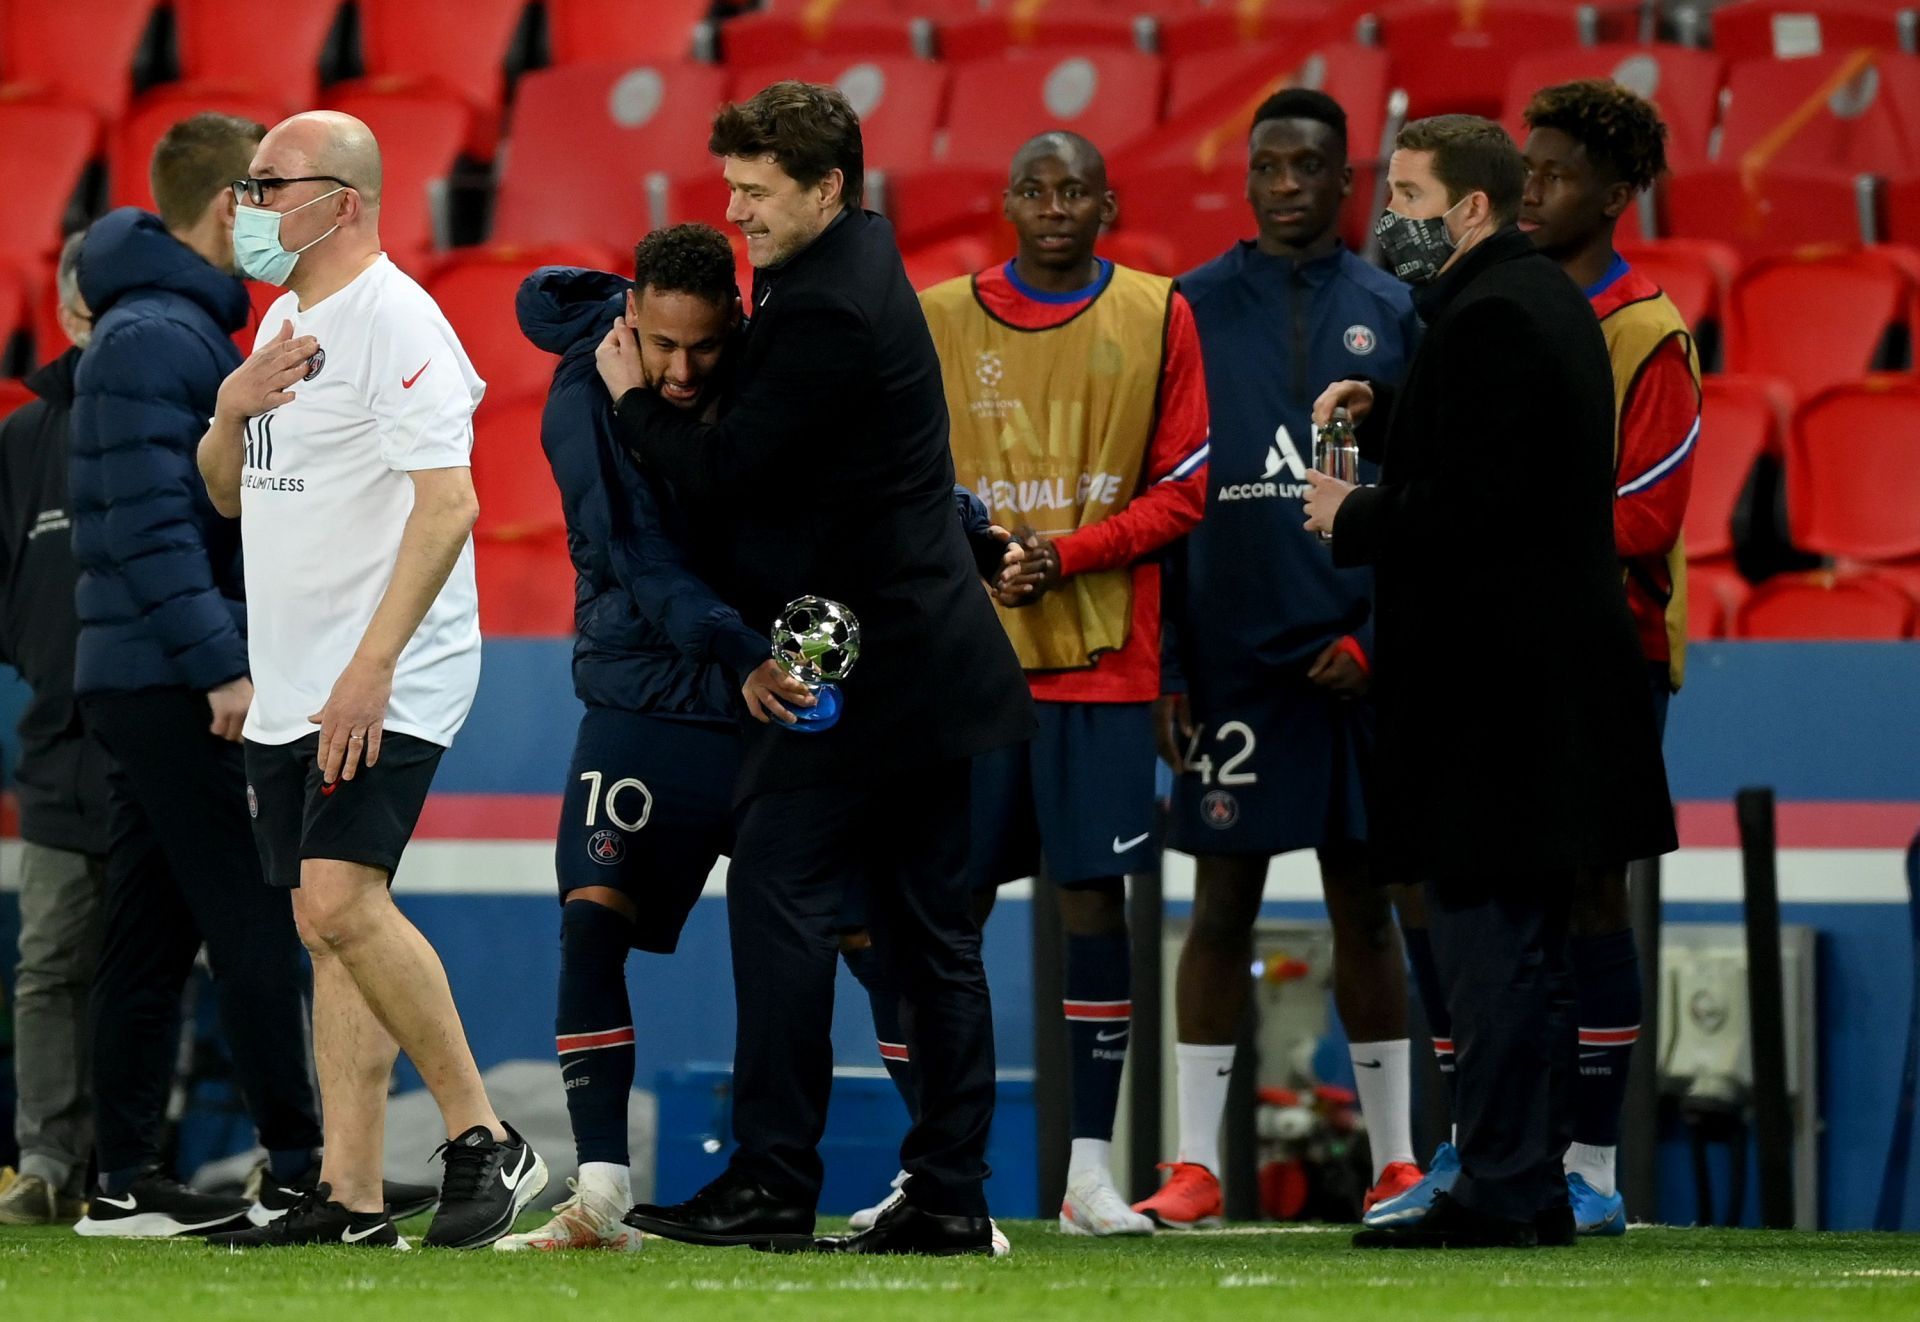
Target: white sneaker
[[1002, 1247], [582, 1222], [864, 1219], [1094, 1207]]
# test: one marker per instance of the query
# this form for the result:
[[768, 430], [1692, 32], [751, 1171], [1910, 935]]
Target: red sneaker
[[1189, 1200], [1396, 1179]]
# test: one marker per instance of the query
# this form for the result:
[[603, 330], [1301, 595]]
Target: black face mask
[[1415, 249]]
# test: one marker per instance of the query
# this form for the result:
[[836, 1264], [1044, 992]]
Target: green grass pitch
[[1274, 1274]]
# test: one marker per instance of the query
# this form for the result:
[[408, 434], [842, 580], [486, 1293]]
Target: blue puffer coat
[[160, 596]]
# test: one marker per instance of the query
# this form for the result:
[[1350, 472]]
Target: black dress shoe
[[731, 1211], [904, 1228], [1450, 1226], [1553, 1227]]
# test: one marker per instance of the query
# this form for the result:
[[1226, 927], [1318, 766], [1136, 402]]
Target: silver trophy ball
[[816, 640]]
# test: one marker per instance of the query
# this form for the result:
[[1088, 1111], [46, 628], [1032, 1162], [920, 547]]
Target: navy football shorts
[[367, 820], [1078, 796], [1284, 770], [648, 811]]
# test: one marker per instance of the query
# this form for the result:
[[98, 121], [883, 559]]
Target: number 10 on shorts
[[613, 803], [1230, 770]]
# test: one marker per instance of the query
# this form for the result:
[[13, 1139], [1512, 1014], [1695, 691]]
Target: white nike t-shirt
[[324, 497]]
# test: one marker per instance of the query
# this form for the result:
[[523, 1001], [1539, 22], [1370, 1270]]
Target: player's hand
[[1173, 729], [1037, 574], [1356, 397], [770, 690], [1337, 671], [1005, 587], [1324, 498], [353, 718], [229, 703], [261, 383], [618, 359]]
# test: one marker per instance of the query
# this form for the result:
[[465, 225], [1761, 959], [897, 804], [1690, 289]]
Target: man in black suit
[[828, 473], [1516, 735]]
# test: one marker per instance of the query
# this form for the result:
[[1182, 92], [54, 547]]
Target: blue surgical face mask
[[256, 241]]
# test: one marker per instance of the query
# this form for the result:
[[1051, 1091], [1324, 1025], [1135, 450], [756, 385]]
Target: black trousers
[[1501, 947], [796, 853], [182, 870]]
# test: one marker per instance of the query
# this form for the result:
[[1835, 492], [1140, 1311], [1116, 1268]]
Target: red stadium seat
[[75, 52], [1741, 418], [1715, 590], [1903, 210], [933, 202], [1695, 273], [1193, 78], [929, 266], [15, 305], [898, 100], [130, 152], [1455, 57], [1249, 23], [420, 134], [1826, 605], [1111, 97], [451, 46], [1817, 319], [1199, 212], [586, 138], [1143, 250], [524, 574], [838, 31], [1775, 211], [1041, 24], [223, 45], [43, 152], [1853, 110], [1853, 472], [1797, 29], [582, 31], [1684, 83], [476, 289]]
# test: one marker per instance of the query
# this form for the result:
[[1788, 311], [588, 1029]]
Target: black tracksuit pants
[[182, 870], [796, 855]]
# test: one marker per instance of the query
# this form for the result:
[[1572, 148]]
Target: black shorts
[[366, 820], [648, 811]]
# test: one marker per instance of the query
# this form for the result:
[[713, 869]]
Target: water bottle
[[1336, 453]]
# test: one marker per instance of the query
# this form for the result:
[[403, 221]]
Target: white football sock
[[1091, 1155], [1594, 1165], [1384, 1081], [603, 1181], [1205, 1072]]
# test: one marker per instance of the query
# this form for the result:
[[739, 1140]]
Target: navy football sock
[[1433, 999], [594, 1028], [292, 1164], [1606, 974], [876, 975], [1099, 1011]]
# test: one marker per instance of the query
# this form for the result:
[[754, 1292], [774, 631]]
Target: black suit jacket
[[1516, 727], [829, 472]]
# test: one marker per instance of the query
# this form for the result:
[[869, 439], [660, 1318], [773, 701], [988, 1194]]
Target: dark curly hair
[[686, 259], [1624, 135], [810, 130]]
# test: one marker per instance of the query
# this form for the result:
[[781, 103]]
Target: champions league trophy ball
[[817, 642]]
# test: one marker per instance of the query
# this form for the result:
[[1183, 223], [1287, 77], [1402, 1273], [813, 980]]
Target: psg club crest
[[606, 847], [1220, 810], [319, 360], [1360, 340], [817, 642]]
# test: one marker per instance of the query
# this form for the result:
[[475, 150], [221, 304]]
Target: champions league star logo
[[315, 363], [989, 369], [606, 847], [817, 642]]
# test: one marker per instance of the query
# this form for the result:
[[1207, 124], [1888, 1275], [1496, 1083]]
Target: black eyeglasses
[[255, 190]]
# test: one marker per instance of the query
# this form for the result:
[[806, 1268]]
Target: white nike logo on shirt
[[349, 1236], [1122, 846], [1114, 1036], [526, 1158]]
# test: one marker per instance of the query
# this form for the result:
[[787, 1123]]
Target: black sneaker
[[158, 1206], [315, 1219], [487, 1185], [273, 1200]]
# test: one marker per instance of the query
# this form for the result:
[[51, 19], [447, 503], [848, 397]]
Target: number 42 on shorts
[[1223, 740]]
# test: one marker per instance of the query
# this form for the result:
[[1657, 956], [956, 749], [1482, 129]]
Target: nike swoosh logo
[[355, 1236], [406, 382], [1366, 1064], [1122, 846], [1114, 1036], [126, 1205], [1589, 1055], [526, 1160], [1221, 1074]]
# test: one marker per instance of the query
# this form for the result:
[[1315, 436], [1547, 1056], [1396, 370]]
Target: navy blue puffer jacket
[[160, 596]]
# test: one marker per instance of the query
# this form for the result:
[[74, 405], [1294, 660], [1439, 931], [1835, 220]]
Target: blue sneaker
[[1595, 1213], [1410, 1208]]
